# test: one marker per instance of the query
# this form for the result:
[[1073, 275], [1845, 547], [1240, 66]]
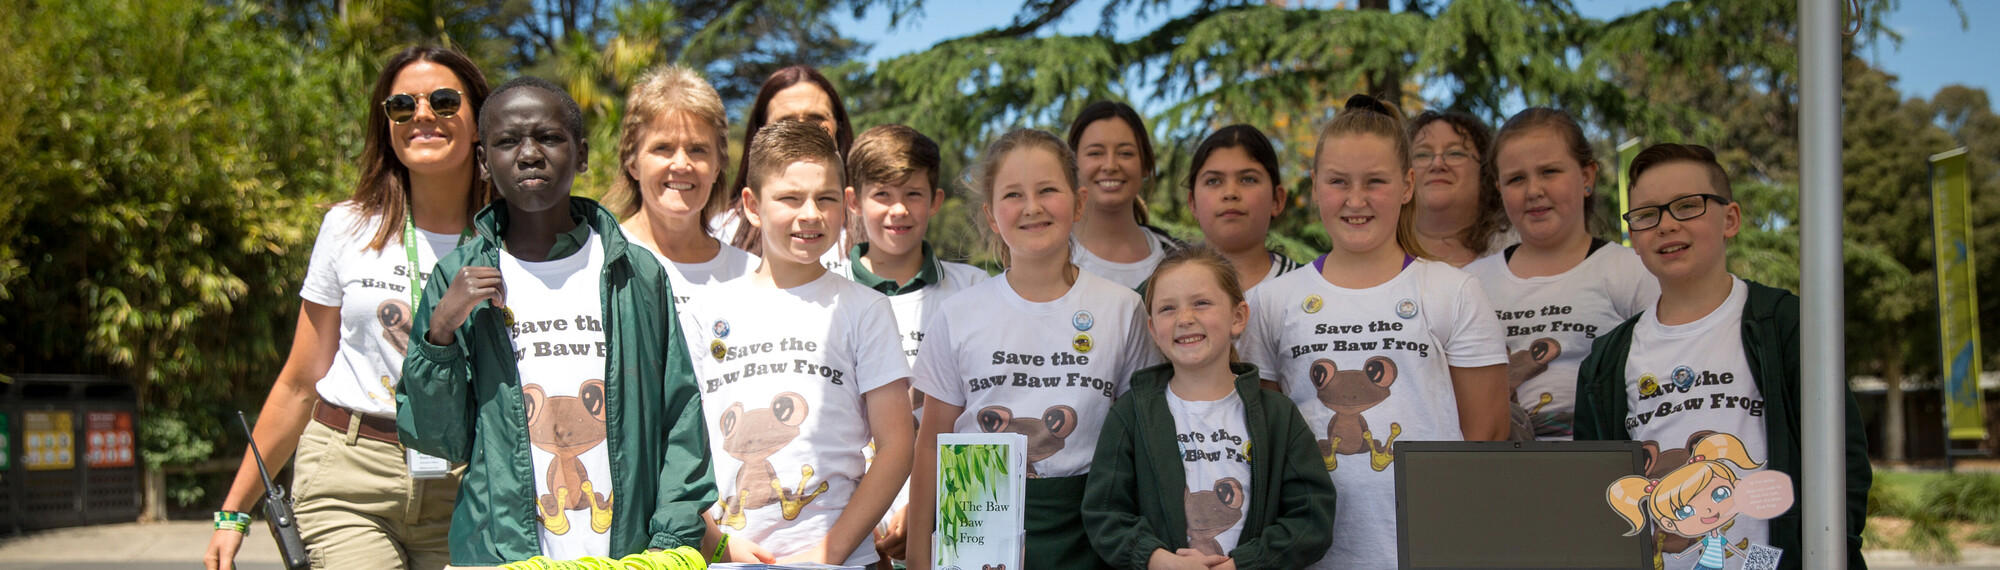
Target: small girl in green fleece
[[1199, 466]]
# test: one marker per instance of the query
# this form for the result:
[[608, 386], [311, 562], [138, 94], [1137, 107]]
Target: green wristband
[[232, 520], [721, 547]]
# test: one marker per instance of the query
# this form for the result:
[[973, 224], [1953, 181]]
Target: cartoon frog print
[[568, 426], [1045, 434], [1348, 393], [1211, 513], [753, 436]]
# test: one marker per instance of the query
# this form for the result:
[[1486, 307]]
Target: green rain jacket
[[1771, 344], [1133, 503], [463, 403]]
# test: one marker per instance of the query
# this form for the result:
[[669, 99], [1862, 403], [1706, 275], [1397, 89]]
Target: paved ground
[[178, 545]]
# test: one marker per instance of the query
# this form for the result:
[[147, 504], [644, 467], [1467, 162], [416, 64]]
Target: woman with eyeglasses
[[1561, 287], [361, 500], [1458, 218]]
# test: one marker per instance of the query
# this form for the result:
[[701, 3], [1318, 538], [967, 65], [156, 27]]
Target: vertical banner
[[6, 443], [1627, 151], [1958, 297]]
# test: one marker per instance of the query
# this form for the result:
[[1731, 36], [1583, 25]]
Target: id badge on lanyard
[[421, 465]]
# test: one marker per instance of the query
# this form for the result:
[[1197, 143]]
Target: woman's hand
[[222, 547]]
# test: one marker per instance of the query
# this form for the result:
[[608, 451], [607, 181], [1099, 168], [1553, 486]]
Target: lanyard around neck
[[410, 247]]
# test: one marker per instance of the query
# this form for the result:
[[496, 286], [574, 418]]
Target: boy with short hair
[[1717, 355], [892, 192], [547, 359], [803, 370]]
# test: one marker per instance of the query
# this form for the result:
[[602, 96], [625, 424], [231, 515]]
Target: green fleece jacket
[[463, 403], [1771, 343], [1133, 503]]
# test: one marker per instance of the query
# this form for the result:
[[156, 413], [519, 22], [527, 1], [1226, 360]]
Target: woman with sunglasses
[[361, 500]]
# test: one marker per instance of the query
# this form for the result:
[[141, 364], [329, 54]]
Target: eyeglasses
[[401, 107], [1683, 208], [1451, 157]]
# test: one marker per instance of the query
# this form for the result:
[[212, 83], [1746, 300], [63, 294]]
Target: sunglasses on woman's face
[[401, 107]]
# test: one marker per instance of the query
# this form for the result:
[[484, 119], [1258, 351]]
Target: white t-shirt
[[1215, 453], [1682, 379], [915, 306], [690, 279], [1551, 321], [372, 290], [1131, 275], [559, 349], [1385, 355], [1045, 370], [1280, 265], [784, 403]]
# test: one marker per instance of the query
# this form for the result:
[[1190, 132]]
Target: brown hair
[[1246, 137], [384, 187], [760, 113], [785, 143], [660, 93], [887, 154], [1107, 110], [988, 169], [1667, 153], [1365, 115], [1492, 217], [1564, 125], [1203, 257]]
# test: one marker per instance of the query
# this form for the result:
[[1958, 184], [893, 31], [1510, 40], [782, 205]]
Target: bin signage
[[108, 439], [47, 435]]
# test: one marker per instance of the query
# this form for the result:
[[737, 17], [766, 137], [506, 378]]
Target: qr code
[[1761, 557]]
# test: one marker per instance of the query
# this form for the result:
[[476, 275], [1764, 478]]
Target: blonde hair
[[1204, 257], [660, 93], [988, 169], [1636, 497], [1365, 115]]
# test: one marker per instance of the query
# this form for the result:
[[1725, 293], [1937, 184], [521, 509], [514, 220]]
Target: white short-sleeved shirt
[[559, 350], [1045, 370], [372, 290], [1214, 442], [690, 279], [1683, 379], [1552, 320], [914, 307], [1383, 355], [1131, 275], [784, 403]]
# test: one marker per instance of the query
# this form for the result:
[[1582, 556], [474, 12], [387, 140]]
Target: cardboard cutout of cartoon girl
[[1699, 500]]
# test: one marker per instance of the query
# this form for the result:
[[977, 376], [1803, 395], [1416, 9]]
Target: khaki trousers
[[358, 507]]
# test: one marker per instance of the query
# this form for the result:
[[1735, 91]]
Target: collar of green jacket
[[491, 224]]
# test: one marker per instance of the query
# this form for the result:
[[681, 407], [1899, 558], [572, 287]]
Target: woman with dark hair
[[1114, 159], [361, 501], [1459, 218], [798, 93]]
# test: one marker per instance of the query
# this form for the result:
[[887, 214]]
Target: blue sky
[[1931, 55]]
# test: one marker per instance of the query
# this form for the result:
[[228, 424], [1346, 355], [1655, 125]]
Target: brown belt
[[372, 427]]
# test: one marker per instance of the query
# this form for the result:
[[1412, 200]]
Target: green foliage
[[170, 211], [965, 471]]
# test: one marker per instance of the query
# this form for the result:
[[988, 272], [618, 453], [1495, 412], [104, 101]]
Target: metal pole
[[1822, 355]]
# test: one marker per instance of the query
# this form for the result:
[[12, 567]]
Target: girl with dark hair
[[1114, 160], [796, 93], [361, 501], [1234, 193]]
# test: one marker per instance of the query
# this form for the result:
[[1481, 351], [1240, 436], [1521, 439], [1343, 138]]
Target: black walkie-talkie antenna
[[278, 510]]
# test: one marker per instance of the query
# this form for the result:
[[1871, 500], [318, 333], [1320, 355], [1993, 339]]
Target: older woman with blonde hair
[[672, 148]]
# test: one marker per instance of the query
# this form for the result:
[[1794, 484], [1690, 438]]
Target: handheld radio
[[278, 511]]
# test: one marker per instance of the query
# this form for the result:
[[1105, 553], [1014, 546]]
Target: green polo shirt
[[927, 274]]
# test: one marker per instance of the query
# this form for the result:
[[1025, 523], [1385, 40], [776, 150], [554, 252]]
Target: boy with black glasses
[[1717, 354]]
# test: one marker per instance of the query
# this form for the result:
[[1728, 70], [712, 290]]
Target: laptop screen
[[1514, 505]]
